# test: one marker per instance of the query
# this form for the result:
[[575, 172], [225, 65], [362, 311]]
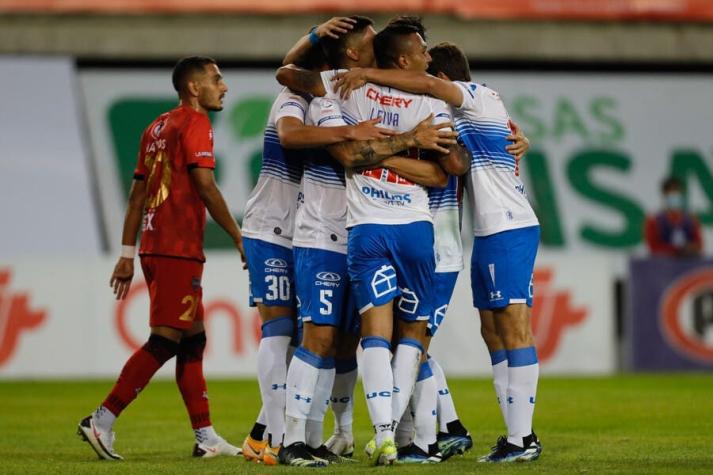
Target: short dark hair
[[187, 66], [334, 49], [670, 183], [312, 59], [413, 20], [450, 60], [389, 44]]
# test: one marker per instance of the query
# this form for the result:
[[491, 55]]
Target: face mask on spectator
[[674, 200]]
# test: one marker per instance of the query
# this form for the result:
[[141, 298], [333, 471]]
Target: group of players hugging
[[351, 237]]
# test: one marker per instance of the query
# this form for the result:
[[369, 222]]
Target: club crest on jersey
[[156, 131]]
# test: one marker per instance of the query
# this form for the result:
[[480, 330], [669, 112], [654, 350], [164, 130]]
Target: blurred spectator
[[673, 231]]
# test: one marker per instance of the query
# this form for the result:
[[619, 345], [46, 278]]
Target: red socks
[[190, 380], [138, 370]]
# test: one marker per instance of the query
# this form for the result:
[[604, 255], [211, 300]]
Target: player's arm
[[411, 81], [421, 172], [204, 181], [301, 80], [427, 136], [294, 133], [124, 268], [332, 28], [456, 162]]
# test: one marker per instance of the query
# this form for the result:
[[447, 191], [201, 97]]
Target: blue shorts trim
[[501, 268], [387, 262], [323, 289], [445, 284], [271, 272]]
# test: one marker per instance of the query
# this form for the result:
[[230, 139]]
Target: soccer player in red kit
[[173, 185]]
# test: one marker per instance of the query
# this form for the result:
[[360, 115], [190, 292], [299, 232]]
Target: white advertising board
[[58, 319]]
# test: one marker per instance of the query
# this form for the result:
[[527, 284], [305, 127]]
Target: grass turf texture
[[624, 424]]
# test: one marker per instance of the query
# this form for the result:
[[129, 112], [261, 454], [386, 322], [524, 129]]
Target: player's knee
[[415, 330], [518, 336], [491, 338], [320, 344]]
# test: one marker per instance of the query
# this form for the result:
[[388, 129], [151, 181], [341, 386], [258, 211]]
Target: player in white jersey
[[269, 219], [313, 357], [390, 252], [506, 237], [322, 283]]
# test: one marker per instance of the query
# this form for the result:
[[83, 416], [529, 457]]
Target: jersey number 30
[[278, 287]]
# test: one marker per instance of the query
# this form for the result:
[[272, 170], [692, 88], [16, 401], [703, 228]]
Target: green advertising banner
[[601, 145]]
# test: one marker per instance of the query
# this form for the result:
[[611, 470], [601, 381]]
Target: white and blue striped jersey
[[322, 218], [445, 205], [270, 210], [497, 195], [379, 196]]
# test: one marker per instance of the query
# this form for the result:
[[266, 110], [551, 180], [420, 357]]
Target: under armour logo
[[510, 400], [275, 387], [303, 398], [443, 392], [497, 295], [532, 399]]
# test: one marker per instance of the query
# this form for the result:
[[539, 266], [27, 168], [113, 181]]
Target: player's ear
[[352, 53], [193, 86], [402, 62]]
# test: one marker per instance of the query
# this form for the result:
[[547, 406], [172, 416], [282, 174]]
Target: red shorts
[[175, 291]]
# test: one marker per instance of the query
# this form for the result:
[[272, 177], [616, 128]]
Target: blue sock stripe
[[375, 341], [327, 362], [424, 371], [308, 357], [411, 342], [281, 326], [345, 366], [498, 356], [522, 356]]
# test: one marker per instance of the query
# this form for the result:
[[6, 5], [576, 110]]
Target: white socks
[[405, 430], [425, 402], [446, 408], [378, 383], [343, 395], [523, 373], [302, 378], [272, 374], [499, 361], [405, 366], [315, 419]]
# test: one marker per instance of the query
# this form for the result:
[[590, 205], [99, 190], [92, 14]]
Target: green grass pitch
[[624, 424]]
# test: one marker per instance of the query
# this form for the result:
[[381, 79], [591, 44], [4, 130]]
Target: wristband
[[127, 252], [313, 38]]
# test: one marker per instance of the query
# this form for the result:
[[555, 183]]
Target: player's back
[[321, 218], [270, 210], [497, 195], [171, 146], [379, 195]]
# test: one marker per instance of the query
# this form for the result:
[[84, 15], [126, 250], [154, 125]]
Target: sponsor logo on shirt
[[203, 154], [395, 199], [328, 279], [275, 265], [386, 100]]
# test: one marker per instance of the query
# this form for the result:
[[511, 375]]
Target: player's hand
[[241, 250], [368, 130], [347, 81], [428, 136], [121, 278], [520, 144], [338, 25]]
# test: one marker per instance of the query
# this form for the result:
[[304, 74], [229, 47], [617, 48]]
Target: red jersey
[[174, 219]]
